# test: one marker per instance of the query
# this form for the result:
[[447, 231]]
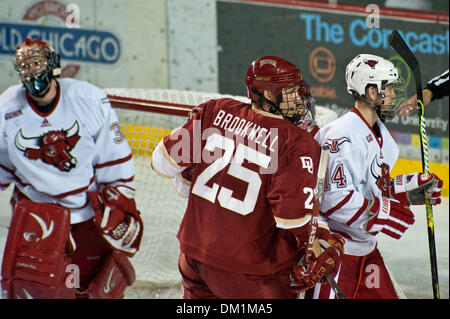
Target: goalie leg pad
[[35, 259], [112, 279], [90, 252]]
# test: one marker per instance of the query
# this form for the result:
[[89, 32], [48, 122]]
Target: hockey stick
[[399, 45], [315, 218]]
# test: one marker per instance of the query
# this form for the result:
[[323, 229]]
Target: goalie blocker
[[40, 247]]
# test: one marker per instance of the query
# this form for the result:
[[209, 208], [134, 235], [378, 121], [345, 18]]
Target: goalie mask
[[36, 64], [293, 99], [367, 69]]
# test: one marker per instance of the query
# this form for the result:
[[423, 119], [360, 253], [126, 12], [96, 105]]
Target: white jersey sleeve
[[6, 166], [113, 161]]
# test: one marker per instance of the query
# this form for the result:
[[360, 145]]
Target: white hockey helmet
[[369, 69]]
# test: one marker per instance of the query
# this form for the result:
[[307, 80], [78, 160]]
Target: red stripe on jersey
[[123, 180], [359, 212], [126, 180], [370, 127], [76, 191], [338, 206], [7, 169], [116, 162], [343, 234], [18, 180]]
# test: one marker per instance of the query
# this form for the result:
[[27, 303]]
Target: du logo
[[307, 163]]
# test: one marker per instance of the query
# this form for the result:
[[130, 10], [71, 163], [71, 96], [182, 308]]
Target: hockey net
[[146, 116]]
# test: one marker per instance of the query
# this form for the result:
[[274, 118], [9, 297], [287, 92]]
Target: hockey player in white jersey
[[74, 218], [360, 200]]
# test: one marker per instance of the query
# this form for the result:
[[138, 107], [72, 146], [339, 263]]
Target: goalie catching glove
[[413, 188], [117, 217], [325, 262]]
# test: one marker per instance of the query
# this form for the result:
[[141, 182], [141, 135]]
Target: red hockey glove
[[389, 216], [117, 217], [413, 188], [304, 277]]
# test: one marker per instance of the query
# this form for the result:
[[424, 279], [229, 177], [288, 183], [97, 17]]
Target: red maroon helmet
[[270, 73], [273, 74]]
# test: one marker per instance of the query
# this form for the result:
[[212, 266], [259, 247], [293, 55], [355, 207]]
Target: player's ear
[[268, 95], [371, 93]]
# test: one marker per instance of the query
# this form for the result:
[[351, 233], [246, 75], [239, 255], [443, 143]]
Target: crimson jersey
[[253, 180]]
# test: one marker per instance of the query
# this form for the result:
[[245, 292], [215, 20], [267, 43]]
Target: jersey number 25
[[223, 194]]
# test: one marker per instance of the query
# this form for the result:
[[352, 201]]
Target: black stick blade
[[399, 45]]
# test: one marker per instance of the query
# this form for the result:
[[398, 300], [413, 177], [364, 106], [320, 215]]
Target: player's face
[[292, 102], [389, 95], [392, 97], [30, 62]]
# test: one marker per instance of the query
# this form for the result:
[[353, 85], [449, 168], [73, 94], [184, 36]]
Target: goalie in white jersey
[[360, 200], [74, 221]]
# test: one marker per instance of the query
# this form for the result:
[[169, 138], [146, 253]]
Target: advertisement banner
[[110, 43], [321, 42]]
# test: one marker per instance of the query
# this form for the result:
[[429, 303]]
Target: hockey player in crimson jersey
[[62, 147], [360, 200], [252, 174]]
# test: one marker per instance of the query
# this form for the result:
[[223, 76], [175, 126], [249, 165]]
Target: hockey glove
[[117, 217], [389, 216], [304, 277], [413, 188]]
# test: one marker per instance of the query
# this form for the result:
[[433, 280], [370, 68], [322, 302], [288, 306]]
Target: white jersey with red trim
[[76, 147], [361, 158]]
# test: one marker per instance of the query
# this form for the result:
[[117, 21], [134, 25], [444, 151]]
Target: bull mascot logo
[[383, 180], [371, 63], [52, 147], [335, 143]]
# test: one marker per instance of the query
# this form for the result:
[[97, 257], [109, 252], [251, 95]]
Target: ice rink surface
[[407, 258]]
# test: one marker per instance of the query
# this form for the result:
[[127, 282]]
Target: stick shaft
[[403, 50], [321, 175]]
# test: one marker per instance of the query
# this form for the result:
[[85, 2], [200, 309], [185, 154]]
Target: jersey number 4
[[223, 194], [337, 178]]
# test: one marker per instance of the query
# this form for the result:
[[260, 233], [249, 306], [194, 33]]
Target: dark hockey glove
[[331, 249]]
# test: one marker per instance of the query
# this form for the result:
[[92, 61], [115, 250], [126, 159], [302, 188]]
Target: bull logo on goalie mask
[[383, 181], [52, 147]]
